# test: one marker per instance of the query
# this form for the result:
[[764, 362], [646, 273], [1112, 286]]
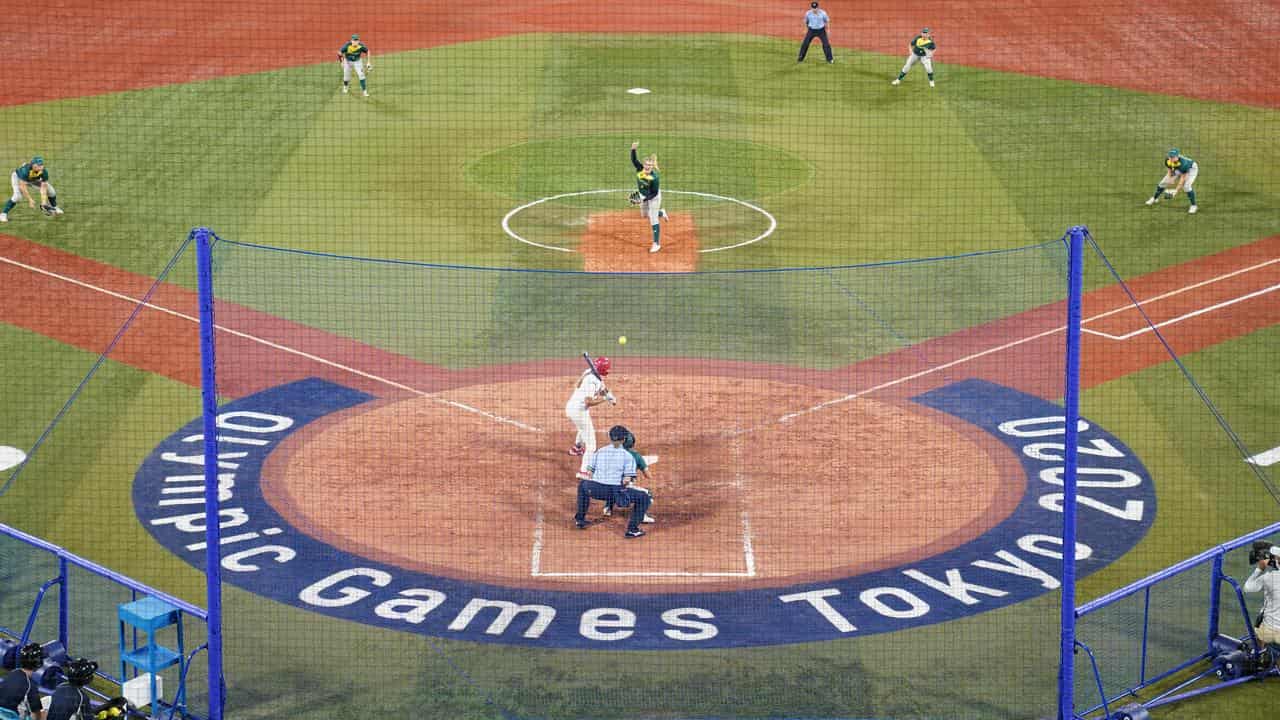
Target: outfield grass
[[454, 137]]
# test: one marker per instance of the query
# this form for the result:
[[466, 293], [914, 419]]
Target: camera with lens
[[1262, 549]]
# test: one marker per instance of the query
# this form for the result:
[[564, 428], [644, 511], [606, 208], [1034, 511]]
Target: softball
[[622, 339]]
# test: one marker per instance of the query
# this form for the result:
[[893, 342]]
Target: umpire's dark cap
[[618, 433]]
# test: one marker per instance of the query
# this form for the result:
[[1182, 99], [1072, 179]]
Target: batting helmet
[[80, 671], [603, 365], [618, 432], [31, 656], [629, 441]]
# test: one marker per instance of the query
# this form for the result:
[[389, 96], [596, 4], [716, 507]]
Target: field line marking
[[748, 552], [1267, 458], [1014, 343], [1149, 328], [279, 347]]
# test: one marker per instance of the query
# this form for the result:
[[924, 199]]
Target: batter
[[587, 393]]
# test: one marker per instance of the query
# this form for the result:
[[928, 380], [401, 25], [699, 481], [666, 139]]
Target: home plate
[[12, 457], [639, 91], [650, 459]]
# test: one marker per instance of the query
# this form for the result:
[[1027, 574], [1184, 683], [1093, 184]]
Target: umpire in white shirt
[[816, 22], [1266, 578], [613, 475]]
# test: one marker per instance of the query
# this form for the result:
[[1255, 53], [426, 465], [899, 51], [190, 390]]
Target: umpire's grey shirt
[[816, 19], [610, 464]]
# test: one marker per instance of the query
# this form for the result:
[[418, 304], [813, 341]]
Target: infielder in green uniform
[[32, 175], [350, 57], [648, 195], [922, 47], [1179, 174]]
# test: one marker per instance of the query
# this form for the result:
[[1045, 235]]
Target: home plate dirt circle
[[741, 498]]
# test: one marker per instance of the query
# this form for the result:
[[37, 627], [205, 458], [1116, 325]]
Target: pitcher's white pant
[[924, 60], [346, 69], [581, 418], [1170, 180], [16, 182], [652, 208]]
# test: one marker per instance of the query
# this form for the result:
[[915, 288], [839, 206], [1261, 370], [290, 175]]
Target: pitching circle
[[506, 219]]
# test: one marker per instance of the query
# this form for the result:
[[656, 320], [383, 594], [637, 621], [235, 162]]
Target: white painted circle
[[10, 457], [506, 219], [639, 91]]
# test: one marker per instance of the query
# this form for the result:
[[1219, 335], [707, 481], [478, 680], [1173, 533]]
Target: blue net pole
[[1071, 406], [209, 395]]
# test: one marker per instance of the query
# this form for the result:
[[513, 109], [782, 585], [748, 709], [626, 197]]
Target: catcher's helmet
[[31, 656], [80, 671], [629, 441], [618, 432], [603, 365]]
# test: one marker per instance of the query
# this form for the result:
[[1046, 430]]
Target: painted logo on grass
[[1015, 560]]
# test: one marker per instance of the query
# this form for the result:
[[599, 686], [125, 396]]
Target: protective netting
[[402, 307]]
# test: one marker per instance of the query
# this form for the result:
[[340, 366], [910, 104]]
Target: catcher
[[32, 175], [649, 195]]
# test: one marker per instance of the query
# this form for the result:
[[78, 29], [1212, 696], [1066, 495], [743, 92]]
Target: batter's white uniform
[[588, 386]]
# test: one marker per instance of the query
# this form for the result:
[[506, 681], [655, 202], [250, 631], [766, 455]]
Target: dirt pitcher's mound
[[619, 242]]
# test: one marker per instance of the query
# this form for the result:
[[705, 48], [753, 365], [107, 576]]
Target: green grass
[[454, 137]]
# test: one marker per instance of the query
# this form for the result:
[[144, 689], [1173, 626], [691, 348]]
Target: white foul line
[[1180, 318], [281, 348], [1001, 348], [748, 553]]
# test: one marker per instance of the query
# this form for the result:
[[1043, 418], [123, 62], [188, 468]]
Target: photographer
[[1266, 579]]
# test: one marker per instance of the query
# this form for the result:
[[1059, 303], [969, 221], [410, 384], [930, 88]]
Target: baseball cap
[[813, 4], [37, 160], [924, 31], [1174, 153], [355, 37]]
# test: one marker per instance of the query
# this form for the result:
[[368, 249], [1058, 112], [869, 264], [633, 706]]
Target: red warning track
[[1176, 47], [82, 303]]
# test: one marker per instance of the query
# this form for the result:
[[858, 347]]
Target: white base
[[138, 690]]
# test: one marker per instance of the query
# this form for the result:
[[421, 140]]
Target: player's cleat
[[1192, 210], [608, 511], [582, 524], [4, 217], [648, 518], [1152, 201], [656, 247], [663, 215], [345, 89], [576, 449], [47, 209], [57, 210], [896, 82], [930, 83], [584, 475], [635, 533], [366, 93]]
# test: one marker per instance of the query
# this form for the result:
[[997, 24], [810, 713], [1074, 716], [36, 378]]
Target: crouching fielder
[[1179, 174], [350, 57], [922, 47], [31, 175]]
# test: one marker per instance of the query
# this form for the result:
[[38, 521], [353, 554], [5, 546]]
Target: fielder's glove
[[47, 209], [1171, 192], [635, 198]]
